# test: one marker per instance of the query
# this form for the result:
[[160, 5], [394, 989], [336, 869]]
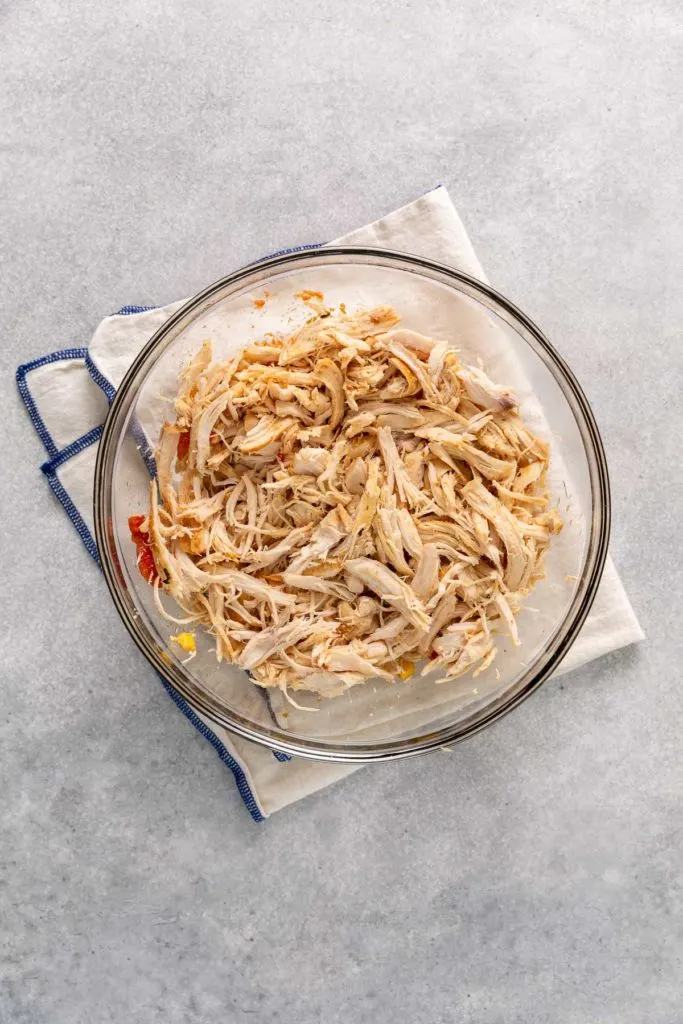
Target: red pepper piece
[[183, 444], [134, 524], [146, 563], [145, 555]]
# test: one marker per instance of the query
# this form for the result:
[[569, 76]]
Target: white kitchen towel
[[67, 395]]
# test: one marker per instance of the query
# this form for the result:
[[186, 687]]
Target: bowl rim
[[594, 562]]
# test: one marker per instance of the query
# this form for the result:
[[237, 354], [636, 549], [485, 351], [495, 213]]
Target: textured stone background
[[533, 874]]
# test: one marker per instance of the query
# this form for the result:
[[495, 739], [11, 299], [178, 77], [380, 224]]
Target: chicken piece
[[197, 366], [273, 640], [487, 465], [306, 341], [425, 582], [390, 588], [412, 541], [268, 429], [350, 346], [301, 513], [444, 613], [357, 424], [492, 438], [393, 414], [189, 577], [503, 608], [392, 629], [517, 556], [457, 655], [453, 532], [324, 538], [550, 520], [435, 362], [484, 392], [269, 556], [416, 367], [345, 659], [293, 409], [263, 354], [298, 581], [200, 432], [165, 456], [414, 464], [371, 322], [357, 476], [411, 340], [396, 474], [331, 376], [367, 506], [312, 461], [389, 535], [528, 475], [365, 607], [529, 447], [321, 435], [359, 616]]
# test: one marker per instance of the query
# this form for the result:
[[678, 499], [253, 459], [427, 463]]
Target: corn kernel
[[407, 669], [186, 642]]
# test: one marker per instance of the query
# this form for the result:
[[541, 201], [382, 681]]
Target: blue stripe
[[73, 513], [58, 458], [225, 756], [144, 447], [129, 310], [49, 469], [100, 379], [79, 445], [286, 252], [23, 370], [105, 385]]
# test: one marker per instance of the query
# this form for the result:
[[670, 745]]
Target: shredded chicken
[[338, 504]]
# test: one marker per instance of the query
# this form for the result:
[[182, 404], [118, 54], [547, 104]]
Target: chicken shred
[[338, 504]]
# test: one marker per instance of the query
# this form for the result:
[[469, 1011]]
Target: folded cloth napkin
[[67, 395]]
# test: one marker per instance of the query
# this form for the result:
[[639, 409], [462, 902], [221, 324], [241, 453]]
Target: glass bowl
[[376, 720]]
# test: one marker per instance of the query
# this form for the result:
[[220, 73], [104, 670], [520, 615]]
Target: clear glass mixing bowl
[[376, 720]]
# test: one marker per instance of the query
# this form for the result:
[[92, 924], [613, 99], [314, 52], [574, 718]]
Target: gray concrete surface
[[532, 875]]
